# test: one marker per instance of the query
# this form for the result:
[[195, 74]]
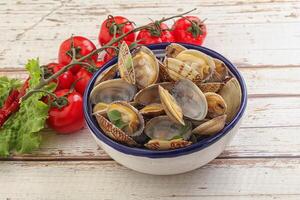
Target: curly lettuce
[[21, 132]]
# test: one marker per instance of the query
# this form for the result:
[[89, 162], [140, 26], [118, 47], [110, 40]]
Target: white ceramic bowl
[[172, 161]]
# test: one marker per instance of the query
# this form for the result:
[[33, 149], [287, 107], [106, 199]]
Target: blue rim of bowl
[[93, 126]]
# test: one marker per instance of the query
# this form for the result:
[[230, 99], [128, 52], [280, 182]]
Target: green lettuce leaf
[[6, 85], [21, 130]]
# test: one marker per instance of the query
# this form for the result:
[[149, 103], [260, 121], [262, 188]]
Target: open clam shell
[[167, 145], [150, 94], [152, 110], [171, 107], [114, 132], [177, 70], [232, 94], [220, 73], [166, 134], [146, 67], [113, 90], [216, 104], [191, 99], [125, 64], [107, 74], [210, 127], [100, 108], [123, 123], [211, 87], [199, 61], [174, 49]]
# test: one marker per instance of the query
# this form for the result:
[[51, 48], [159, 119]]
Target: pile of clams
[[163, 104]]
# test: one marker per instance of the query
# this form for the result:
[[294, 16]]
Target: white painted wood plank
[[231, 179], [259, 33]]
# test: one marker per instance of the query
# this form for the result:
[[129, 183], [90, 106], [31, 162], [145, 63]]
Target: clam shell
[[220, 73], [107, 74], [199, 61], [125, 64], [113, 90], [150, 94], [210, 127], [163, 128], [114, 132], [171, 107], [216, 104], [211, 87], [232, 94], [125, 108], [152, 110], [163, 73], [174, 49], [146, 67], [166, 145], [177, 70], [191, 99], [100, 108]]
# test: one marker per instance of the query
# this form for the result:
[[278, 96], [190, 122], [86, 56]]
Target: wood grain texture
[[261, 37], [230, 179], [248, 33]]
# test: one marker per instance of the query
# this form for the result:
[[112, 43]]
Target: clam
[[216, 104], [232, 94], [150, 94], [100, 108], [125, 64], [199, 61], [146, 67], [210, 127], [154, 109], [113, 90], [191, 99], [177, 70], [220, 73], [163, 73], [123, 122], [211, 87], [107, 74], [174, 49], [166, 134], [171, 107]]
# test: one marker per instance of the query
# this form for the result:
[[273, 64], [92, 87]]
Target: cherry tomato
[[84, 77], [65, 80], [69, 118], [185, 31], [107, 57], [123, 26], [99, 63], [83, 47], [155, 34]]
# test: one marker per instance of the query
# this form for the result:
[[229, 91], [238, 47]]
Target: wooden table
[[263, 161]]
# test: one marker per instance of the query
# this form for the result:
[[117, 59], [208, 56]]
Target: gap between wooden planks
[[270, 128], [229, 179]]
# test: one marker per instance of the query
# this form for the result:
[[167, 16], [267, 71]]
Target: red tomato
[[155, 35], [83, 47], [99, 63], [107, 57], [84, 77], [69, 118], [123, 26], [185, 31], [65, 80]]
